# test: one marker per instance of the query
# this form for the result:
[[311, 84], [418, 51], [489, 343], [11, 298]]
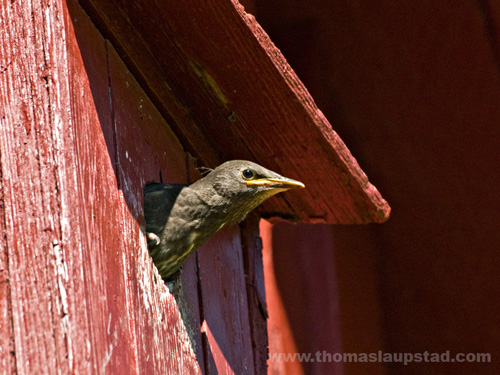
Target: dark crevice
[[205, 347], [187, 158], [116, 162]]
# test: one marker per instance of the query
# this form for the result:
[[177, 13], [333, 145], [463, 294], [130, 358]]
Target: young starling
[[181, 218]]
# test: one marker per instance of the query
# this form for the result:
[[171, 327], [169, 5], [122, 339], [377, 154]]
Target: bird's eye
[[247, 174]]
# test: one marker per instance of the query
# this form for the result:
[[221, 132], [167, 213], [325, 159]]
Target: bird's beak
[[283, 183]]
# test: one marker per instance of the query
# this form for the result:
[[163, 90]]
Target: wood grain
[[36, 212]]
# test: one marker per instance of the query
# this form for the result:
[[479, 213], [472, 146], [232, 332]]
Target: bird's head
[[244, 184]]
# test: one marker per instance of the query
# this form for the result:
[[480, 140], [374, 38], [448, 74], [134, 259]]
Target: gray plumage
[[180, 218]]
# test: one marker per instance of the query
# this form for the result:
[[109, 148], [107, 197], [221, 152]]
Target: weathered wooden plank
[[7, 359], [233, 82], [111, 339], [228, 348], [64, 116], [145, 146], [33, 39], [83, 294]]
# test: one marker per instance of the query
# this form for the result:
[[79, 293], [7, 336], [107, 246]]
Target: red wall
[[414, 90], [320, 302], [303, 317]]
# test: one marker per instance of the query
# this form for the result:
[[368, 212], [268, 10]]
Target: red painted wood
[[228, 343], [7, 359], [230, 79], [83, 293], [79, 140], [103, 215], [39, 224], [144, 142], [416, 92], [303, 299], [115, 25]]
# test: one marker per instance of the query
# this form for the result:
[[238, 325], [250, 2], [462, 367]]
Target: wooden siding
[[413, 88], [78, 291]]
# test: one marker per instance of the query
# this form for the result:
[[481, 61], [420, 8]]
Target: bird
[[181, 218]]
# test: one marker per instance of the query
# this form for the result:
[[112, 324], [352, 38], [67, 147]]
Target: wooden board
[[231, 94], [226, 325], [39, 222], [7, 358], [78, 286], [302, 291]]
